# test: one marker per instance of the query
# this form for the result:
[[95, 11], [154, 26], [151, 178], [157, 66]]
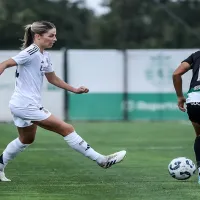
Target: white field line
[[183, 122], [71, 185], [133, 148]]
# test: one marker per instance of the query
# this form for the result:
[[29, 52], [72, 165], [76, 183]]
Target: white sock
[[11, 151], [77, 143]]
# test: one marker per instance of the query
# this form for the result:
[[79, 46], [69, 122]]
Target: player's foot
[[3, 177], [112, 159]]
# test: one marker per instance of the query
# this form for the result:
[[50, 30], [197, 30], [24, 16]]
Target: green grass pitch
[[50, 170]]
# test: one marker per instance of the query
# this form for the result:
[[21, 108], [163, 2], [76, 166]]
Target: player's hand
[[81, 90], [181, 103]]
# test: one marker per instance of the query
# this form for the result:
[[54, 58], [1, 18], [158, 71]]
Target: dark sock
[[1, 159], [197, 150]]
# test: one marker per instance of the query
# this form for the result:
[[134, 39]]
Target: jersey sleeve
[[189, 60], [50, 66], [21, 58]]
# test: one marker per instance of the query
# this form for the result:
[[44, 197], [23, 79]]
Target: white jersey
[[31, 67]]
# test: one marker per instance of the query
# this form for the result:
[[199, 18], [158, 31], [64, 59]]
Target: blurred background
[[124, 51]]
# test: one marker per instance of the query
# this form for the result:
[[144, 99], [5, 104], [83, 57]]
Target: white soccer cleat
[[113, 159], [3, 177]]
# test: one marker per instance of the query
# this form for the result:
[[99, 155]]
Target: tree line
[[133, 24]]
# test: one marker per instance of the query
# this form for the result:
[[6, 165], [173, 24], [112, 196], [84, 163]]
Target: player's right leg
[[197, 147], [193, 111], [26, 137], [76, 142]]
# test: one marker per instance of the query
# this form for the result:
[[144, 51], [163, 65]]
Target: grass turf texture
[[49, 169]]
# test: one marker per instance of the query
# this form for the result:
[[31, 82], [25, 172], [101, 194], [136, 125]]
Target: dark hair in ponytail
[[39, 27]]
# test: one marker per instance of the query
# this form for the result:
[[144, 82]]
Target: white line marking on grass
[[188, 123], [71, 185], [163, 148], [133, 148]]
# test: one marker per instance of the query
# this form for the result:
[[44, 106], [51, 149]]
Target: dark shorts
[[193, 111]]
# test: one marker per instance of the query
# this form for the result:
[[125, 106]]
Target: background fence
[[124, 85]]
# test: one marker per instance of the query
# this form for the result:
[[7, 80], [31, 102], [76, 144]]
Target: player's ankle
[[101, 159], [2, 167]]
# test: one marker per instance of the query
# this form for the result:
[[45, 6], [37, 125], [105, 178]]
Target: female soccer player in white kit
[[33, 62]]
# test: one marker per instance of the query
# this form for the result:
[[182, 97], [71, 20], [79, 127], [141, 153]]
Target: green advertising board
[[141, 106], [147, 79]]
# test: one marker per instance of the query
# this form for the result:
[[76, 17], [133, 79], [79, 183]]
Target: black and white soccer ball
[[181, 168]]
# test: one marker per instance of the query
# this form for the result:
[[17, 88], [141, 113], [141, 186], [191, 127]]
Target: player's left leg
[[26, 137]]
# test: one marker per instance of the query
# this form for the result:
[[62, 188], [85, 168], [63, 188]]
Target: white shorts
[[23, 116]]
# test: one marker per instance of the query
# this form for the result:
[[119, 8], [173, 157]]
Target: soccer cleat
[[3, 177], [113, 159]]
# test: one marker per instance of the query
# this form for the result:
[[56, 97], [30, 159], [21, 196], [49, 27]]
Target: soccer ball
[[181, 168]]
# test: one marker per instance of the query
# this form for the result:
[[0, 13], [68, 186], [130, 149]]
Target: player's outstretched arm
[[53, 79], [8, 63]]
